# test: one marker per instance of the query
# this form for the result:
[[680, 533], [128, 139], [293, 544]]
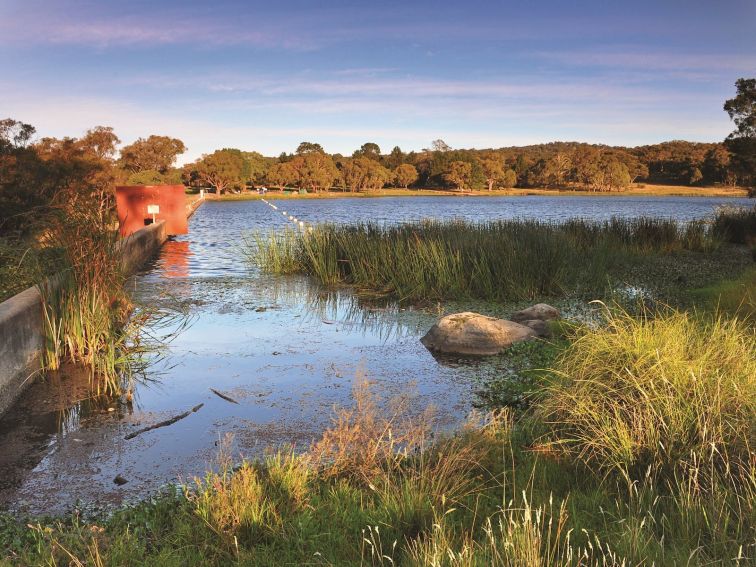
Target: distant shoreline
[[635, 191]]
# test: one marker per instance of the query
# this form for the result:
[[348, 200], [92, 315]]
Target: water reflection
[[52, 410], [175, 259]]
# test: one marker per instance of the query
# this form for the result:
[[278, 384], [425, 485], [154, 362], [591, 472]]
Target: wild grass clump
[[370, 436], [736, 225], [86, 308], [662, 395], [499, 260]]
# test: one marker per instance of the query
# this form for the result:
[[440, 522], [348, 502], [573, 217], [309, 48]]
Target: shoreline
[[647, 191]]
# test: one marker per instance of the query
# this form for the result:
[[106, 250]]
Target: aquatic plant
[[89, 318], [499, 260], [736, 224]]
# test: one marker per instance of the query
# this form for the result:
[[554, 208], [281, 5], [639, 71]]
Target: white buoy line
[[301, 224]]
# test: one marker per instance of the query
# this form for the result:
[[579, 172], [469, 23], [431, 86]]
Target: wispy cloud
[[53, 25], [640, 58]]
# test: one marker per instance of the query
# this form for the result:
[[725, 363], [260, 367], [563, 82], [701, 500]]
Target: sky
[[265, 76]]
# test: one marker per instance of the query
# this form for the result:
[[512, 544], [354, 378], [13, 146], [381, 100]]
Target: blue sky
[[264, 76]]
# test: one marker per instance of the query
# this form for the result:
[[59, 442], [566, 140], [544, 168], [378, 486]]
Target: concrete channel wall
[[21, 317]]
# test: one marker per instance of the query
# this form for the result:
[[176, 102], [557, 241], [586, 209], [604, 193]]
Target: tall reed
[[736, 224], [499, 260], [86, 309]]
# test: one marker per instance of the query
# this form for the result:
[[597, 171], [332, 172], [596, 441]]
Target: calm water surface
[[285, 350]]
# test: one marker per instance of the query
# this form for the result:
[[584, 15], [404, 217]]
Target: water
[[284, 349], [403, 209]]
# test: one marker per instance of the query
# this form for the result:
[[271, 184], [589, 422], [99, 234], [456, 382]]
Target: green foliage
[[369, 150], [663, 395], [257, 167], [736, 225], [38, 179], [156, 153], [146, 177], [363, 173], [405, 175], [523, 377], [223, 169], [742, 141], [742, 109], [459, 174], [309, 147], [735, 297], [501, 260], [21, 266]]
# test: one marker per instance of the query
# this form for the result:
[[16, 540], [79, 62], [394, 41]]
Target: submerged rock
[[474, 334], [539, 311], [540, 327]]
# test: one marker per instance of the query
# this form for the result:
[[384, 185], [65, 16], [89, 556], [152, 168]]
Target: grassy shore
[[633, 190], [635, 450]]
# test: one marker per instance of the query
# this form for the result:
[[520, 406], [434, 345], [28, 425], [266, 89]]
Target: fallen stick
[[224, 396], [164, 423]]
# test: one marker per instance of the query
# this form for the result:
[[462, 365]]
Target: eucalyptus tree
[[223, 169], [157, 153], [405, 175], [742, 141]]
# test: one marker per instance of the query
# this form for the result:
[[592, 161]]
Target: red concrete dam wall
[[137, 204]]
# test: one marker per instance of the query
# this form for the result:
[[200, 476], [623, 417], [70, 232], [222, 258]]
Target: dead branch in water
[[164, 423], [224, 396]]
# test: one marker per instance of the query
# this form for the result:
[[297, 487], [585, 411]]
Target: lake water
[[284, 349]]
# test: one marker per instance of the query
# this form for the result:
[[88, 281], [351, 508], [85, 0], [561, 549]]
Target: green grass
[[730, 296], [661, 394], [636, 454], [500, 261]]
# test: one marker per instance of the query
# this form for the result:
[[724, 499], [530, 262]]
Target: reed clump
[[86, 308], [736, 225], [499, 260]]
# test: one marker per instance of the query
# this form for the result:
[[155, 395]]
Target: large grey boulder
[[474, 334], [539, 311]]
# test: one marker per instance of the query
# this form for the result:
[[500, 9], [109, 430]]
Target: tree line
[[35, 173]]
